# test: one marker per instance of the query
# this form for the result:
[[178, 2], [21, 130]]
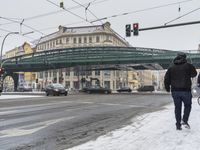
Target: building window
[[107, 37], [89, 73], [90, 39], [60, 41], [50, 74], [67, 40], [79, 40], [46, 74], [76, 73], [107, 84], [74, 40], [107, 73], [47, 45], [41, 75], [97, 72], [97, 39], [57, 42], [54, 73], [85, 39], [67, 84], [76, 85], [67, 73]]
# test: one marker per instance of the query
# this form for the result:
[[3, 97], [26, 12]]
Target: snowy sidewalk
[[153, 131]]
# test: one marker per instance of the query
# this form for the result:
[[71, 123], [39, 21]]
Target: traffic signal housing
[[128, 30], [2, 71], [136, 29], [61, 4]]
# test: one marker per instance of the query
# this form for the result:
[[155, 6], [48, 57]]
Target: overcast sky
[[178, 38]]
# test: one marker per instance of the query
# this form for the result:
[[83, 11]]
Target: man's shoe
[[185, 124], [178, 128]]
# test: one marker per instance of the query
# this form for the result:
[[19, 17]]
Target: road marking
[[30, 129], [111, 104]]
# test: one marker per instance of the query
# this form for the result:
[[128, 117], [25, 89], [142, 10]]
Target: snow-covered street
[[153, 131]]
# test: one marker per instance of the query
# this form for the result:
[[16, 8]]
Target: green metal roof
[[69, 57]]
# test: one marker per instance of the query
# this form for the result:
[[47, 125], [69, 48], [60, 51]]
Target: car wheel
[[65, 94], [88, 92], [106, 92], [47, 94]]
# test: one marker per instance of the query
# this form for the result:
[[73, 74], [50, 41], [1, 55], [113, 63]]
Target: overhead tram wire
[[122, 14], [18, 22], [182, 16], [87, 9], [60, 11], [78, 6], [67, 10], [92, 3], [141, 10], [54, 12], [5, 30]]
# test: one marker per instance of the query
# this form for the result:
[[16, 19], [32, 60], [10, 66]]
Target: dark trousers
[[186, 98]]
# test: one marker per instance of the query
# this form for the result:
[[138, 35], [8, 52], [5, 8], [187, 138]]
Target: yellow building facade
[[24, 77]]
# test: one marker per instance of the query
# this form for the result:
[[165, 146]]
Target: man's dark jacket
[[179, 75]]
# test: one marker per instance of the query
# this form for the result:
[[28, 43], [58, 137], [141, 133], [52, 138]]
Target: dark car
[[124, 89], [56, 89], [24, 88], [146, 88], [96, 89]]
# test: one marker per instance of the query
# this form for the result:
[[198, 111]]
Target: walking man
[[178, 79]]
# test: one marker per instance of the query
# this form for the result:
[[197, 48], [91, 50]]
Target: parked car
[[24, 88], [146, 88], [56, 89], [124, 89], [96, 89]]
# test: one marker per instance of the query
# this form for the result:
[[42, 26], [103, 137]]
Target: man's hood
[[179, 60]]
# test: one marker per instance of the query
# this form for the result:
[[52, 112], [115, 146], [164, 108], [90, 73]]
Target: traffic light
[[2, 71], [128, 30], [61, 4], [135, 29]]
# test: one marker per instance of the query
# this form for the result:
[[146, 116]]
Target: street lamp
[[3, 45], [1, 64], [1, 61]]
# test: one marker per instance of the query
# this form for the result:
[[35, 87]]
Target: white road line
[[111, 104], [30, 129]]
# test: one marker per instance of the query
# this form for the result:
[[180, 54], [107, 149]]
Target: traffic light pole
[[168, 26]]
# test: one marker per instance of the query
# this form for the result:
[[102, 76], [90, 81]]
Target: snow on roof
[[72, 30]]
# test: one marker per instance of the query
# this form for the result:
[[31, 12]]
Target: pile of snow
[[153, 131]]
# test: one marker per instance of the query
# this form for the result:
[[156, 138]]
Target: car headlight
[[66, 90]]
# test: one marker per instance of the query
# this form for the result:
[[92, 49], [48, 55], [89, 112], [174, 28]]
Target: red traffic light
[[135, 25], [135, 28]]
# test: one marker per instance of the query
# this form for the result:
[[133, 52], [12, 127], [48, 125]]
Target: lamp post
[[1, 63], [3, 45]]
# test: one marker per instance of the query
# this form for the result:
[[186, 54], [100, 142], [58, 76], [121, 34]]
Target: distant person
[[178, 79], [198, 80]]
